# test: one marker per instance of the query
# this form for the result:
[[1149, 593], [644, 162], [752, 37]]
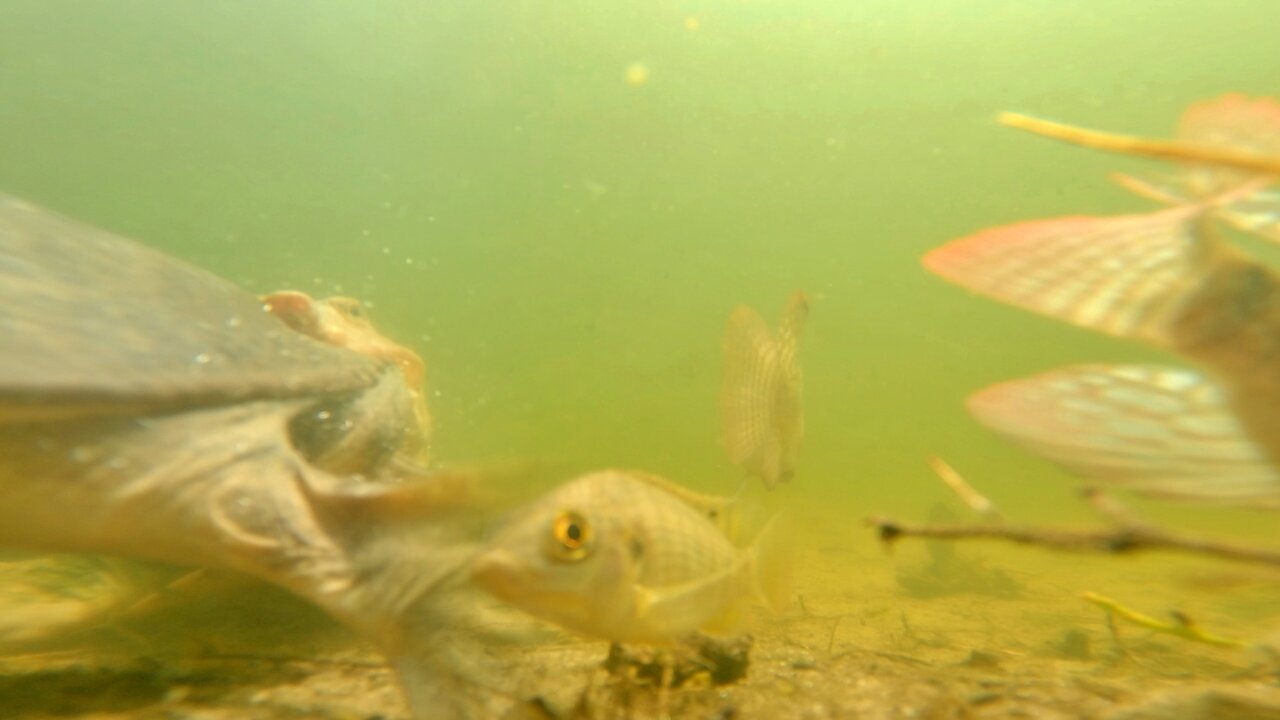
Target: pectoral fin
[[1126, 276]]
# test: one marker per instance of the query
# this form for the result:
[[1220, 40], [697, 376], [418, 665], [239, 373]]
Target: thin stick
[[1118, 540], [1132, 145], [1181, 626], [976, 501]]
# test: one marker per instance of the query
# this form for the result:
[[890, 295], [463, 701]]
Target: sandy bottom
[[984, 632]]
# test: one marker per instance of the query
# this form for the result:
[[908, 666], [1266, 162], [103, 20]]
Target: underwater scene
[[728, 359]]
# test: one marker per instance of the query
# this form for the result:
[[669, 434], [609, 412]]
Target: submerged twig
[[1131, 145], [1182, 626], [976, 501], [1127, 535]]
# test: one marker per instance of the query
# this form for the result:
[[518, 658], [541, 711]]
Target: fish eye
[[571, 533]]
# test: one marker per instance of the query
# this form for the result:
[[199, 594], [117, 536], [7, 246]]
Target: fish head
[[566, 562]]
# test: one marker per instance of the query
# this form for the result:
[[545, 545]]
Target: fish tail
[[769, 562]]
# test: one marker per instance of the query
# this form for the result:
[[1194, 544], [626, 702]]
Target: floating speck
[[636, 74]]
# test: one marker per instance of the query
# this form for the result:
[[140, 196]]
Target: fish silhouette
[[760, 399]]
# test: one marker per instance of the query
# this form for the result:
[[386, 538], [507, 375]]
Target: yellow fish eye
[[572, 533]]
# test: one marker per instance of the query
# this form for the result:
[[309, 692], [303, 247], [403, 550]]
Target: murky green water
[[564, 246]]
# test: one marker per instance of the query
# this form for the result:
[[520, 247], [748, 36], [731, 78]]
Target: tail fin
[[1157, 430], [770, 561]]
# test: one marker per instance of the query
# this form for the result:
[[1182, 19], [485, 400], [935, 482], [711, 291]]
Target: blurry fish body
[[1167, 279], [761, 415], [629, 557]]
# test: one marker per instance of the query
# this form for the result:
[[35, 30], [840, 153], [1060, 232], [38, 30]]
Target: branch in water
[[1127, 537], [1130, 145]]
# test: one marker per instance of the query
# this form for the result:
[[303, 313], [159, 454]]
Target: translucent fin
[[1234, 121], [1239, 123], [770, 562], [723, 512], [1124, 276], [752, 372], [1257, 214], [788, 404], [792, 324], [1157, 430]]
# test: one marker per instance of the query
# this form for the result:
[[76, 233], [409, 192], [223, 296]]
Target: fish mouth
[[500, 574]]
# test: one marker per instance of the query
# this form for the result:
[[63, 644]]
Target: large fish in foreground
[[760, 399], [629, 557], [1170, 280]]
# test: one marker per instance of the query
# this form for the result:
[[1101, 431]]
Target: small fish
[[1169, 280], [620, 556], [760, 408]]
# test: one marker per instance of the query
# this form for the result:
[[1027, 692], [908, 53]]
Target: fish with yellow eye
[[630, 557]]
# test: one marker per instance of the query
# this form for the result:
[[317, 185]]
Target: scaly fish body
[[1167, 279], [760, 400], [616, 555]]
